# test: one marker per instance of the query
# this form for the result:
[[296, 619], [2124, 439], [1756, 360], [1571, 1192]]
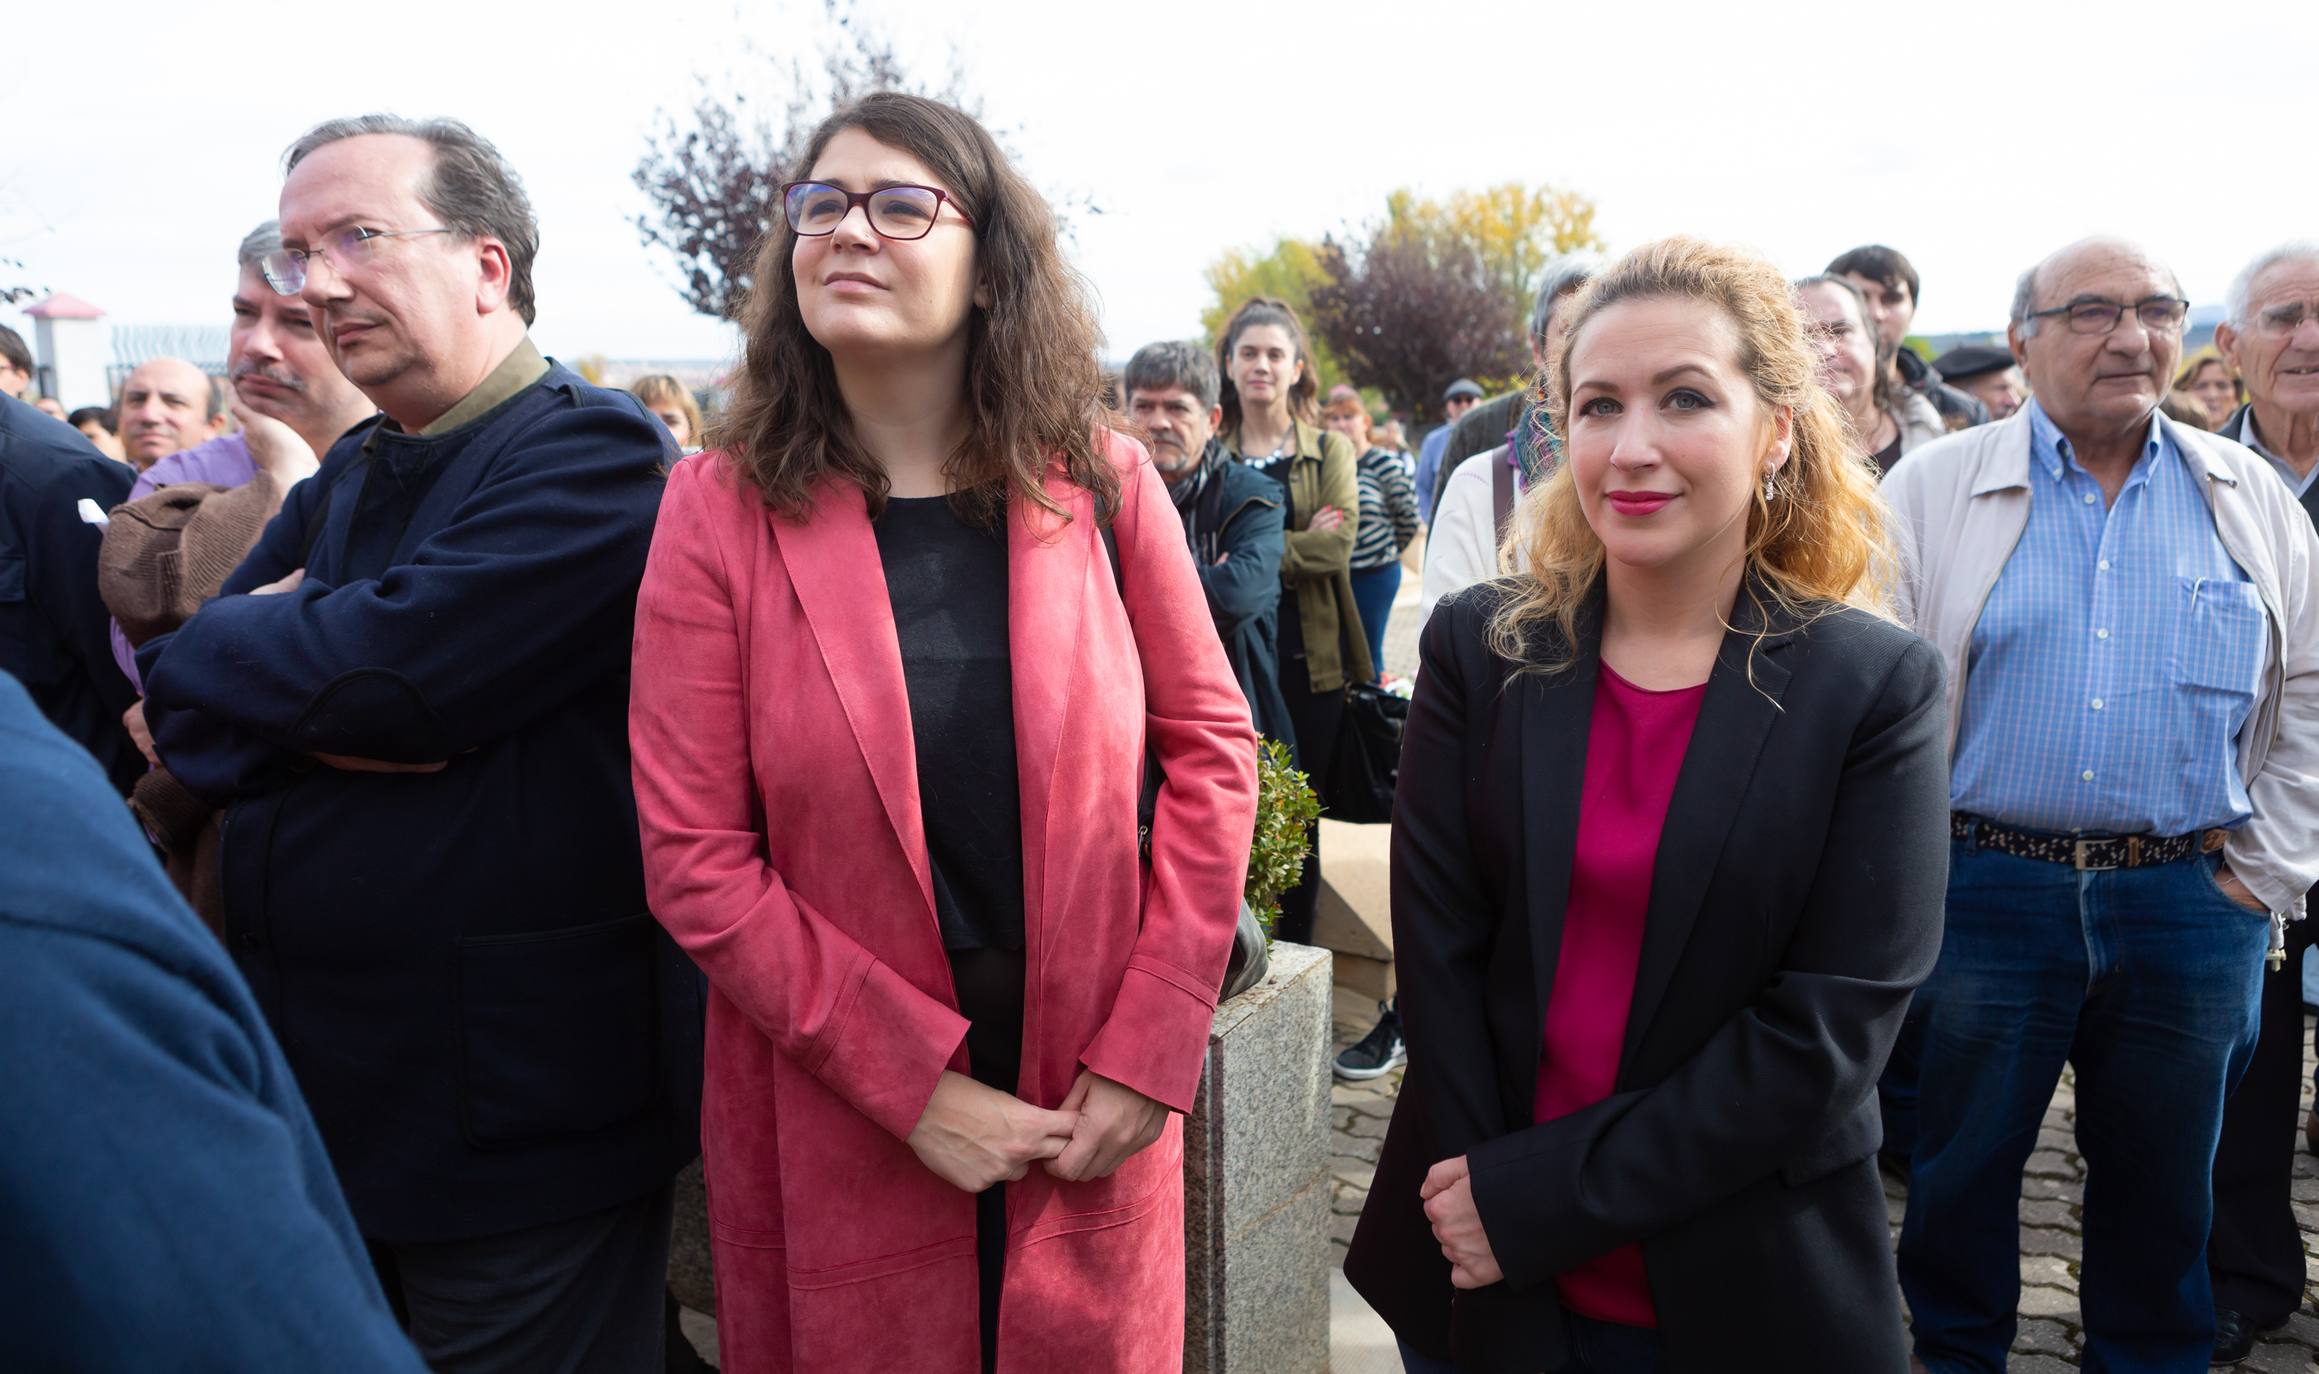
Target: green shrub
[[1285, 806]]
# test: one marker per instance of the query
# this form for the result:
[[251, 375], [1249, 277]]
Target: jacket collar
[[517, 371], [2006, 464], [1736, 717]]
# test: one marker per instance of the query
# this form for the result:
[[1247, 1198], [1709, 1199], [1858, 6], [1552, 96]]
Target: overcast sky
[[145, 138]]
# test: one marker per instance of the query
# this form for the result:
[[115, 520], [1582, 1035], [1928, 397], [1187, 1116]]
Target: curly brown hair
[[1034, 387]]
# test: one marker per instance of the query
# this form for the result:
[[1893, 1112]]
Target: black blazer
[[1795, 904]]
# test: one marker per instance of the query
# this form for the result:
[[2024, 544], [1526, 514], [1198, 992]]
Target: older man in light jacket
[[2129, 610]]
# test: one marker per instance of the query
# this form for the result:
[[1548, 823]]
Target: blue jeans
[[1595, 1348], [1896, 1087], [1373, 592], [2147, 981]]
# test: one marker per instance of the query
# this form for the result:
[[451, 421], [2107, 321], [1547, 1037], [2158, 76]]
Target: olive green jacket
[[1317, 564]]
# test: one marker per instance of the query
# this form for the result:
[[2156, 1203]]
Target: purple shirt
[[225, 462]]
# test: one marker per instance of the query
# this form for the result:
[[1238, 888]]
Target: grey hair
[[2024, 301], [2239, 302], [1177, 364], [1564, 275], [266, 238], [473, 190]]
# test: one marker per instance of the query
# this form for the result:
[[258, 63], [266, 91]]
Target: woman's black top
[[947, 580]]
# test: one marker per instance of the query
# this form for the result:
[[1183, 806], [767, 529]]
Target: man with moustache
[[165, 554], [411, 698], [2270, 337], [1232, 516], [2129, 613], [167, 406]]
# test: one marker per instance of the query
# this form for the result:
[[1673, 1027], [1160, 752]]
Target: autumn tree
[[13, 291], [1436, 290], [711, 173]]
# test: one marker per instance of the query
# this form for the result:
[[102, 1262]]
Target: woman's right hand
[[1326, 518], [973, 1136]]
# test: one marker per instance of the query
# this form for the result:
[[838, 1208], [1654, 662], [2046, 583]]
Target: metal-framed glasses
[[285, 268], [2159, 314], [900, 212], [2279, 321]]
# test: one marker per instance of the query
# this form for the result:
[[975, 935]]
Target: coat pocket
[[558, 1031]]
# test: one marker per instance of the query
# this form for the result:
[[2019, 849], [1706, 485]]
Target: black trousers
[[1316, 717], [2255, 1252], [585, 1296], [990, 997]]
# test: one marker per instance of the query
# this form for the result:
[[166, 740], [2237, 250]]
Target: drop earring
[[1768, 492]]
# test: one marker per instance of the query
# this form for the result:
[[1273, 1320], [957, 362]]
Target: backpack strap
[[1502, 494]]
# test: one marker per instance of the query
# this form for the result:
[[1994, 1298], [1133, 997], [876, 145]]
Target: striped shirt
[[2116, 659], [1388, 510]]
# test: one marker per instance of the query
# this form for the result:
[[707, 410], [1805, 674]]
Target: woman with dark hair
[[1669, 855], [1268, 391], [900, 649]]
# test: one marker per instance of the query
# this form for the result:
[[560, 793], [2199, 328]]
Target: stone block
[[1257, 1179]]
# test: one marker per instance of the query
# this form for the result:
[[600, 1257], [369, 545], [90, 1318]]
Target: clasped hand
[[1449, 1205], [973, 1136]]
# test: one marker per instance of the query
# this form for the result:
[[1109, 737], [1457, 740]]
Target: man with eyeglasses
[[1890, 288], [411, 700], [2129, 611], [2270, 337]]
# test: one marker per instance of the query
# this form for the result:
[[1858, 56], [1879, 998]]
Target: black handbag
[[1361, 778], [1251, 956]]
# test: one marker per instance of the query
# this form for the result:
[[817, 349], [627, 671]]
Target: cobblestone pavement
[[2050, 1337]]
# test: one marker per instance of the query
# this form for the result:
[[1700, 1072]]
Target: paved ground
[[2050, 1338]]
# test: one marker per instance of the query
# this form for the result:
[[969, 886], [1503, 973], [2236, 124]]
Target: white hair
[[2237, 304]]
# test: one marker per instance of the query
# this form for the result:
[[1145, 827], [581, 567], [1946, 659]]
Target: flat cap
[[1971, 360]]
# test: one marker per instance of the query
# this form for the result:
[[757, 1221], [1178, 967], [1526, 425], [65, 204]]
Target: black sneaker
[[1377, 1054]]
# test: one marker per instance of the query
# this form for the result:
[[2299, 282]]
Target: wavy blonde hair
[[1820, 544]]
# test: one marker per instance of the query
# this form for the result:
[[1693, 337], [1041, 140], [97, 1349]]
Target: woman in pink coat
[[890, 720]]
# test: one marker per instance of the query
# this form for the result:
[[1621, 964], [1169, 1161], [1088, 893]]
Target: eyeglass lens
[[2284, 319], [896, 212], [2100, 317], [285, 268]]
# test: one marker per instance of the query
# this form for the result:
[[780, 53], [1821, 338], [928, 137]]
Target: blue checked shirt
[[2116, 659]]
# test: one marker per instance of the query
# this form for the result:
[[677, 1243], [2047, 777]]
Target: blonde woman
[[1668, 860], [671, 402]]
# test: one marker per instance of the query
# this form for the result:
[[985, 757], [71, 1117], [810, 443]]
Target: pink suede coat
[[777, 788]]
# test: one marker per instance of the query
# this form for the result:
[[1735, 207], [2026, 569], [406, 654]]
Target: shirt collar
[[517, 371], [2051, 448], [2298, 483]]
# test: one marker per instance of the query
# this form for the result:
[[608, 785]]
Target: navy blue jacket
[[164, 1199], [1235, 528], [491, 1029], [53, 626]]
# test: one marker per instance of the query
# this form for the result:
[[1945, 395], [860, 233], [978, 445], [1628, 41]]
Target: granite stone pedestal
[[1256, 1179]]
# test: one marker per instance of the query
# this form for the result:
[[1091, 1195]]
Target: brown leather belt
[[2087, 853]]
